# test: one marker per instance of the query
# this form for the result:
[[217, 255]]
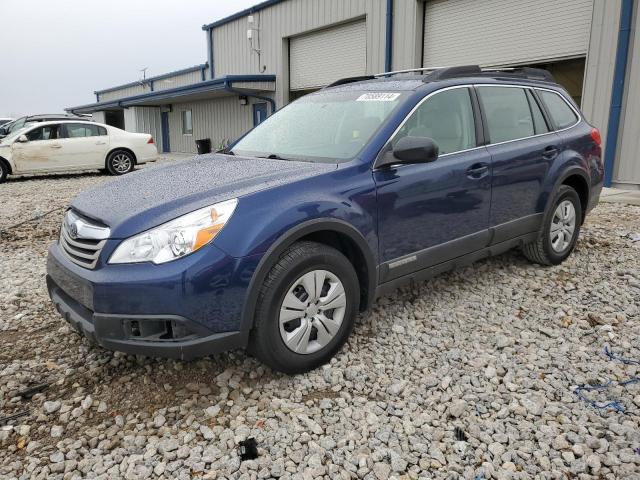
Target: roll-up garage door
[[499, 32], [319, 58]]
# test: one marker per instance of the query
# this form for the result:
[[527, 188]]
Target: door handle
[[101, 143], [56, 146], [478, 170], [550, 152]]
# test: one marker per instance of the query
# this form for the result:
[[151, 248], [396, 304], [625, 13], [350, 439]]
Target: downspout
[[229, 88], [212, 72], [617, 93], [388, 52]]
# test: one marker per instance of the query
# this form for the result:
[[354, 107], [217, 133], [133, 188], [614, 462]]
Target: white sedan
[[73, 145]]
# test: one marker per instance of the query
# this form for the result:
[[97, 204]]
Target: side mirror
[[415, 150], [22, 139]]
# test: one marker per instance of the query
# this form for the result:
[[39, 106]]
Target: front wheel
[[120, 162], [4, 171], [306, 308], [560, 229]]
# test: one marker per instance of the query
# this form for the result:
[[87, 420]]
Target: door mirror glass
[[22, 139], [415, 150]]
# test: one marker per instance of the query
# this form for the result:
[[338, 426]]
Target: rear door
[[522, 149], [429, 213], [84, 145]]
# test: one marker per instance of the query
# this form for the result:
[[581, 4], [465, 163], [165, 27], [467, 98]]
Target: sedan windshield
[[322, 127]]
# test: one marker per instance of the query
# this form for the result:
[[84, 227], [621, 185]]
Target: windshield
[[14, 125], [13, 135], [323, 127]]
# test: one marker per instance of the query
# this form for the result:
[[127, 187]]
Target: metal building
[[260, 59]]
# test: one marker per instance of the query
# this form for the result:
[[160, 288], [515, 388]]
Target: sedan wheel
[[120, 162]]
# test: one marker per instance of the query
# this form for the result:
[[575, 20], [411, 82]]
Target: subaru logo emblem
[[73, 231]]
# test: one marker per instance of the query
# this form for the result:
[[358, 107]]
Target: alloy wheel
[[121, 163]]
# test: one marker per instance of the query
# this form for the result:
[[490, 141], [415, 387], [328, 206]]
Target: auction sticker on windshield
[[377, 97]]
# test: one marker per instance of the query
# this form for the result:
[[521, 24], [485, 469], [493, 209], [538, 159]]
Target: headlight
[[176, 238]]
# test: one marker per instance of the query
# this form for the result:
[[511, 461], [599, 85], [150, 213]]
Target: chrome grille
[[82, 241]]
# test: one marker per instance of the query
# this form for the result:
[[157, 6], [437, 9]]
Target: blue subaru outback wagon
[[276, 243]]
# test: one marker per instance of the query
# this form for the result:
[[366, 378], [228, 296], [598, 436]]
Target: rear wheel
[[560, 229], [306, 308], [120, 162]]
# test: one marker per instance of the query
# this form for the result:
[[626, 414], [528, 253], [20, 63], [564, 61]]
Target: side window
[[101, 131], [447, 118], [80, 130], [187, 124], [539, 123], [50, 132], [507, 113], [561, 114]]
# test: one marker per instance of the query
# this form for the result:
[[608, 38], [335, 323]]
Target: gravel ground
[[469, 375]]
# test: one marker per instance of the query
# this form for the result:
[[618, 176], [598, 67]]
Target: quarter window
[[447, 118], [507, 113], [561, 114], [539, 123], [187, 124]]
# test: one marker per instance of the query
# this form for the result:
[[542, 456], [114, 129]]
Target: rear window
[[507, 112], [562, 115], [83, 130]]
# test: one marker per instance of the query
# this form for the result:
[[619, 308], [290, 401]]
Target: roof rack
[[433, 74]]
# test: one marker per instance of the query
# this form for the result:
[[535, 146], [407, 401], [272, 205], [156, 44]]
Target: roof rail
[[345, 80]]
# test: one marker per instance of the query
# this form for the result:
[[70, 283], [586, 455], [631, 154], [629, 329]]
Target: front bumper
[[185, 309]]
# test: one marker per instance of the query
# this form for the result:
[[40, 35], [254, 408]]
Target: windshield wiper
[[273, 156]]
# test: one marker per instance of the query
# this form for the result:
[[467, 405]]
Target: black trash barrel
[[203, 146]]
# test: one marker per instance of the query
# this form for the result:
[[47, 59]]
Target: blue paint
[[387, 213], [166, 143], [221, 83], [617, 93], [229, 88], [259, 113], [388, 53]]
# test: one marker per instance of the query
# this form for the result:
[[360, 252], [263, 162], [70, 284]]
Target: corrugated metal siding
[[496, 32], [124, 92], [233, 54], [222, 119], [318, 58], [628, 164], [408, 16], [130, 120], [177, 81], [598, 79], [98, 117], [148, 121]]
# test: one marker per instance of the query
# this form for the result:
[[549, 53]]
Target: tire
[[120, 162], [4, 171], [316, 333], [544, 250]]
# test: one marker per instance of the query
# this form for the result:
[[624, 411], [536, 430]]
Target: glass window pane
[[447, 118], [563, 116], [43, 133], [507, 112], [539, 122], [187, 125]]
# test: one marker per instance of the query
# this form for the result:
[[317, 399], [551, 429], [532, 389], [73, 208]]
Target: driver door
[[429, 213], [41, 152]]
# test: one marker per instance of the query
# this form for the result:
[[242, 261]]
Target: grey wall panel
[[124, 92], [148, 121], [498, 32], [318, 58], [130, 120], [221, 119], [178, 81], [408, 19], [628, 159], [596, 95], [233, 53], [98, 117]]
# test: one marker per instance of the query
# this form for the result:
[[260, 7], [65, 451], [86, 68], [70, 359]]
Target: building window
[[187, 124]]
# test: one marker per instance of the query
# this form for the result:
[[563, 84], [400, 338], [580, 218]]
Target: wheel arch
[[576, 178], [332, 232]]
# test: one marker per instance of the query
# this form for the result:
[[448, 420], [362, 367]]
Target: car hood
[[152, 196]]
